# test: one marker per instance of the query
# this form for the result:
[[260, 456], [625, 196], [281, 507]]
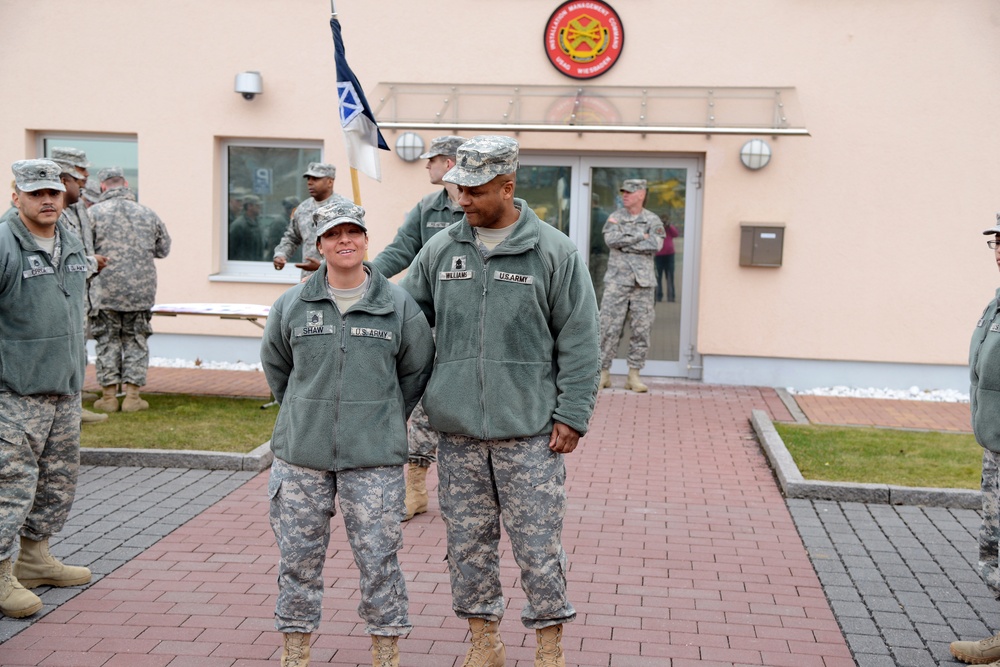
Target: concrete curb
[[793, 485], [255, 461]]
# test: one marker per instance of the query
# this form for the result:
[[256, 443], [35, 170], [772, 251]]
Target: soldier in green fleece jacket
[[347, 355], [513, 389], [984, 401], [43, 272]]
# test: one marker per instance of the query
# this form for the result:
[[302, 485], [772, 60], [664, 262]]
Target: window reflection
[[265, 185], [547, 191]]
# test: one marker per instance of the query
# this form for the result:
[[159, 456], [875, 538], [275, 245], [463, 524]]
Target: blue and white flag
[[361, 134]]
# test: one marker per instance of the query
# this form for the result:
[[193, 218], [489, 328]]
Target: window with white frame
[[263, 185], [102, 151]]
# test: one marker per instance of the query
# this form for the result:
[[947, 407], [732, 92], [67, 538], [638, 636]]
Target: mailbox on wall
[[761, 244]]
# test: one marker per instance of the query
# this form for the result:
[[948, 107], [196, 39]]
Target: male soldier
[[301, 230], [74, 217], [91, 192], [246, 235], [634, 235], [42, 277], [431, 214], [131, 236], [513, 389]]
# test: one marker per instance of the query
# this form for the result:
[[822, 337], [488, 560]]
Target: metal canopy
[[621, 109]]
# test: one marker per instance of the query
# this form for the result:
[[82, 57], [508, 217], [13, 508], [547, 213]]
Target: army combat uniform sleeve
[[398, 254]]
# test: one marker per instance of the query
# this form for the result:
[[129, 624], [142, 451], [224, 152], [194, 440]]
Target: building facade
[[853, 256]]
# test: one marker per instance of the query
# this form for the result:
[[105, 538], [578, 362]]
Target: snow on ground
[[163, 362], [911, 394]]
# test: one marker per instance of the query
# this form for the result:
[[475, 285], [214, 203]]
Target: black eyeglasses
[[992, 245]]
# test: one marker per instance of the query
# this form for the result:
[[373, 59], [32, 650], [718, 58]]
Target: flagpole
[[355, 184]]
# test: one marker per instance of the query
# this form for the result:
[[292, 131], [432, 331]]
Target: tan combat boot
[[416, 491], [385, 651], [634, 383], [981, 652], [605, 382], [88, 417], [487, 649], [35, 567], [296, 651], [132, 402], [549, 652], [108, 402], [15, 601]]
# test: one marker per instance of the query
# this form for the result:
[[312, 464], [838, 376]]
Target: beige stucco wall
[[883, 203]]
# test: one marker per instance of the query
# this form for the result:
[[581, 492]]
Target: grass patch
[[178, 421], [884, 456]]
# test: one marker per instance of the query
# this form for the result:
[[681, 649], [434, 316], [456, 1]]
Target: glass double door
[[576, 194]]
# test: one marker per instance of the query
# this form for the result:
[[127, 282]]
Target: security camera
[[249, 84]]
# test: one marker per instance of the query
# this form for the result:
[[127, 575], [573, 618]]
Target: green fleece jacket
[[41, 313], [346, 383], [984, 371], [517, 332]]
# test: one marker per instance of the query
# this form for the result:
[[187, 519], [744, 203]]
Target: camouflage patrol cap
[[481, 159], [321, 170], [290, 202], [92, 190], [446, 145], [68, 167], [74, 155], [252, 199], [340, 212], [109, 173], [31, 175], [633, 184]]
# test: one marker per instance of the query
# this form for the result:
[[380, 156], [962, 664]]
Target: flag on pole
[[361, 134]]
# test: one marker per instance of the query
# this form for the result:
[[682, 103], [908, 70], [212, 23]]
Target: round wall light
[[409, 146], [755, 154]]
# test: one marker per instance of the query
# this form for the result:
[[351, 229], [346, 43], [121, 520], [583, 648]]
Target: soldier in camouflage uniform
[[512, 392], [984, 402], [634, 235], [347, 355], [131, 236], [246, 233], [301, 230], [43, 272], [431, 214], [75, 218]]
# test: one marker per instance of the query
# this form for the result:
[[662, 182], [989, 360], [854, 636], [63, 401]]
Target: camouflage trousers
[[372, 502], [989, 531], [638, 303], [122, 352], [423, 440], [39, 464], [523, 482]]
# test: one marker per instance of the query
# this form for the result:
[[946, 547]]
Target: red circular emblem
[[584, 38]]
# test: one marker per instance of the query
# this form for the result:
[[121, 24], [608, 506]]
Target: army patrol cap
[[74, 155], [446, 145], [338, 213], [995, 229], [633, 184], [481, 159], [321, 170], [68, 167], [110, 172], [31, 175], [252, 199], [92, 190]]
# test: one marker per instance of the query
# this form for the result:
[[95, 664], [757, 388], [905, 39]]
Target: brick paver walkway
[[886, 412], [682, 552]]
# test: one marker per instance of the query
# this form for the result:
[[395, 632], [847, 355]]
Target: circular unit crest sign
[[584, 38]]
